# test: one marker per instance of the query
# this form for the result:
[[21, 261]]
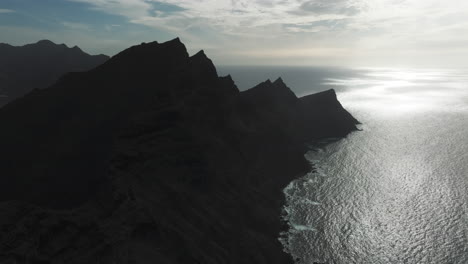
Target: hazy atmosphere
[[364, 33]]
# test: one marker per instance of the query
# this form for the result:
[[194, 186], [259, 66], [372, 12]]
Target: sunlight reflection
[[396, 92]]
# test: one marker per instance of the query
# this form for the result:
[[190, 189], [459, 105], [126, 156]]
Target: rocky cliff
[[153, 158], [39, 65]]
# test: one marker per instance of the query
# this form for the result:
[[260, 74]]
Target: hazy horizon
[[349, 33]]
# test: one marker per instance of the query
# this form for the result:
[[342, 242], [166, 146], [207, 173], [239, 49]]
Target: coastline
[[187, 170]]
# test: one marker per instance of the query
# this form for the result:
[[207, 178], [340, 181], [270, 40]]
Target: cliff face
[[153, 158], [39, 65]]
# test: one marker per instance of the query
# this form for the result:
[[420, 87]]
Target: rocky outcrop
[[39, 65], [153, 158]]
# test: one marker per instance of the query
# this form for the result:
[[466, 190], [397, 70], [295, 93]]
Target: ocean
[[395, 192]]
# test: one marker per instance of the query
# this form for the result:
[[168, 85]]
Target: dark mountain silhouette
[[153, 158], [39, 65]]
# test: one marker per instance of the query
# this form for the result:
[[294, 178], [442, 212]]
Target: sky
[[349, 33]]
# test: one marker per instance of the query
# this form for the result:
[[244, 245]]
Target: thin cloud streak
[[76, 26], [5, 11]]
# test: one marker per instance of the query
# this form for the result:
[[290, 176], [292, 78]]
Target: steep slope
[[153, 158], [39, 65]]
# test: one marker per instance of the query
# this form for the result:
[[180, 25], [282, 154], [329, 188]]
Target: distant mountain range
[[153, 158], [39, 65]]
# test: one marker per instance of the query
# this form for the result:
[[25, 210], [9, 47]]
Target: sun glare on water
[[396, 91]]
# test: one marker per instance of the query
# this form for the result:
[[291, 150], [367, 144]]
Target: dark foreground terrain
[[153, 158], [39, 65]]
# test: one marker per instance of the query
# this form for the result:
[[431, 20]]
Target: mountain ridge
[[151, 157], [39, 65]]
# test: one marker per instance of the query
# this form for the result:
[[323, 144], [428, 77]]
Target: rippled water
[[397, 191]]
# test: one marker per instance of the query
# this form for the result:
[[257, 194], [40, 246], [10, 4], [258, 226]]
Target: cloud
[[328, 25], [133, 8], [227, 15], [6, 11], [320, 7], [367, 29], [111, 27], [76, 26]]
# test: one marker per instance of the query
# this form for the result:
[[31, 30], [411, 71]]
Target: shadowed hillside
[[153, 158], [39, 65]]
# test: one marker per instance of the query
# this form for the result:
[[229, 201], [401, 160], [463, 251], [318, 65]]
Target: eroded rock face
[[153, 158], [39, 65]]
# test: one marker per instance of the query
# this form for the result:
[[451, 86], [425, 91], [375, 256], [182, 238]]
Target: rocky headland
[[153, 158]]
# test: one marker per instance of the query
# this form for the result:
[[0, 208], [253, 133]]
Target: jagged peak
[[45, 42], [102, 55], [330, 92], [5, 45], [175, 41], [150, 43], [200, 55], [261, 86], [204, 65], [147, 55], [144, 43], [279, 81], [277, 90], [201, 52], [229, 77], [228, 82], [170, 43], [176, 44], [76, 48], [48, 43], [325, 96]]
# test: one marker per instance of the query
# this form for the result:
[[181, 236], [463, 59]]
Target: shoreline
[[188, 169]]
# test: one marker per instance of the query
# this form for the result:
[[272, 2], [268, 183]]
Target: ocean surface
[[395, 192]]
